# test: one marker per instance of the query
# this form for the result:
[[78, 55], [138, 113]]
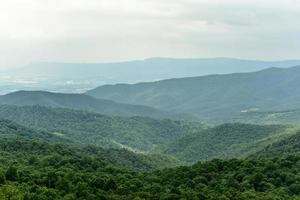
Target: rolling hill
[[286, 146], [35, 170], [268, 117], [18, 139], [227, 141], [136, 133], [11, 129], [213, 97], [12, 145], [186, 141], [83, 102]]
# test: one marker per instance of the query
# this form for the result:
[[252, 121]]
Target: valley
[[149, 100]]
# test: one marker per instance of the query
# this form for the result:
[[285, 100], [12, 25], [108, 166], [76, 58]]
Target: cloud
[[112, 30]]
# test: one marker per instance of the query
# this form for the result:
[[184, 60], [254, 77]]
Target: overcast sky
[[114, 30]]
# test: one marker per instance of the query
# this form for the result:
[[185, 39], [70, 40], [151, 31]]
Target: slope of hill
[[186, 141], [136, 133], [20, 139], [227, 141], [78, 77], [9, 128], [82, 102], [271, 117], [118, 157], [214, 97], [288, 145]]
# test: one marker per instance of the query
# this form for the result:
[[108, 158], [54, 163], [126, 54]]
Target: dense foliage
[[49, 161], [137, 133], [9, 128], [288, 145], [31, 170], [187, 141], [117, 157], [224, 141]]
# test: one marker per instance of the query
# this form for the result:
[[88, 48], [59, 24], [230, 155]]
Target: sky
[[116, 30]]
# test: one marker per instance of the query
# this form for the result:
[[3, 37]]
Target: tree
[[12, 173], [295, 188], [10, 192], [2, 178]]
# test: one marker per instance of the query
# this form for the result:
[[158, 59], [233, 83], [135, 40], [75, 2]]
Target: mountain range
[[79, 77], [130, 141], [213, 97], [266, 97]]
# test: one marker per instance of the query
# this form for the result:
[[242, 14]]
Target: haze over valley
[[80, 77]]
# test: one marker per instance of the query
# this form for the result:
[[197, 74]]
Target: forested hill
[[226, 141], [120, 158], [136, 133], [291, 116], [214, 97], [187, 141], [9, 128], [17, 139], [288, 145], [82, 102]]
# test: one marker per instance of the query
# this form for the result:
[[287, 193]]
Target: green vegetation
[[56, 159], [9, 128], [186, 141], [271, 117], [226, 141], [136, 133], [285, 146], [13, 146], [31, 170], [55, 148], [34, 170]]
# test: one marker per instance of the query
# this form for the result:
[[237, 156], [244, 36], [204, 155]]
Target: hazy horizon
[[25, 65], [111, 31]]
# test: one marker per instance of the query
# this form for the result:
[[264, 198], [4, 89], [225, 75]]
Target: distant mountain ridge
[[79, 77], [213, 97], [154, 68]]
